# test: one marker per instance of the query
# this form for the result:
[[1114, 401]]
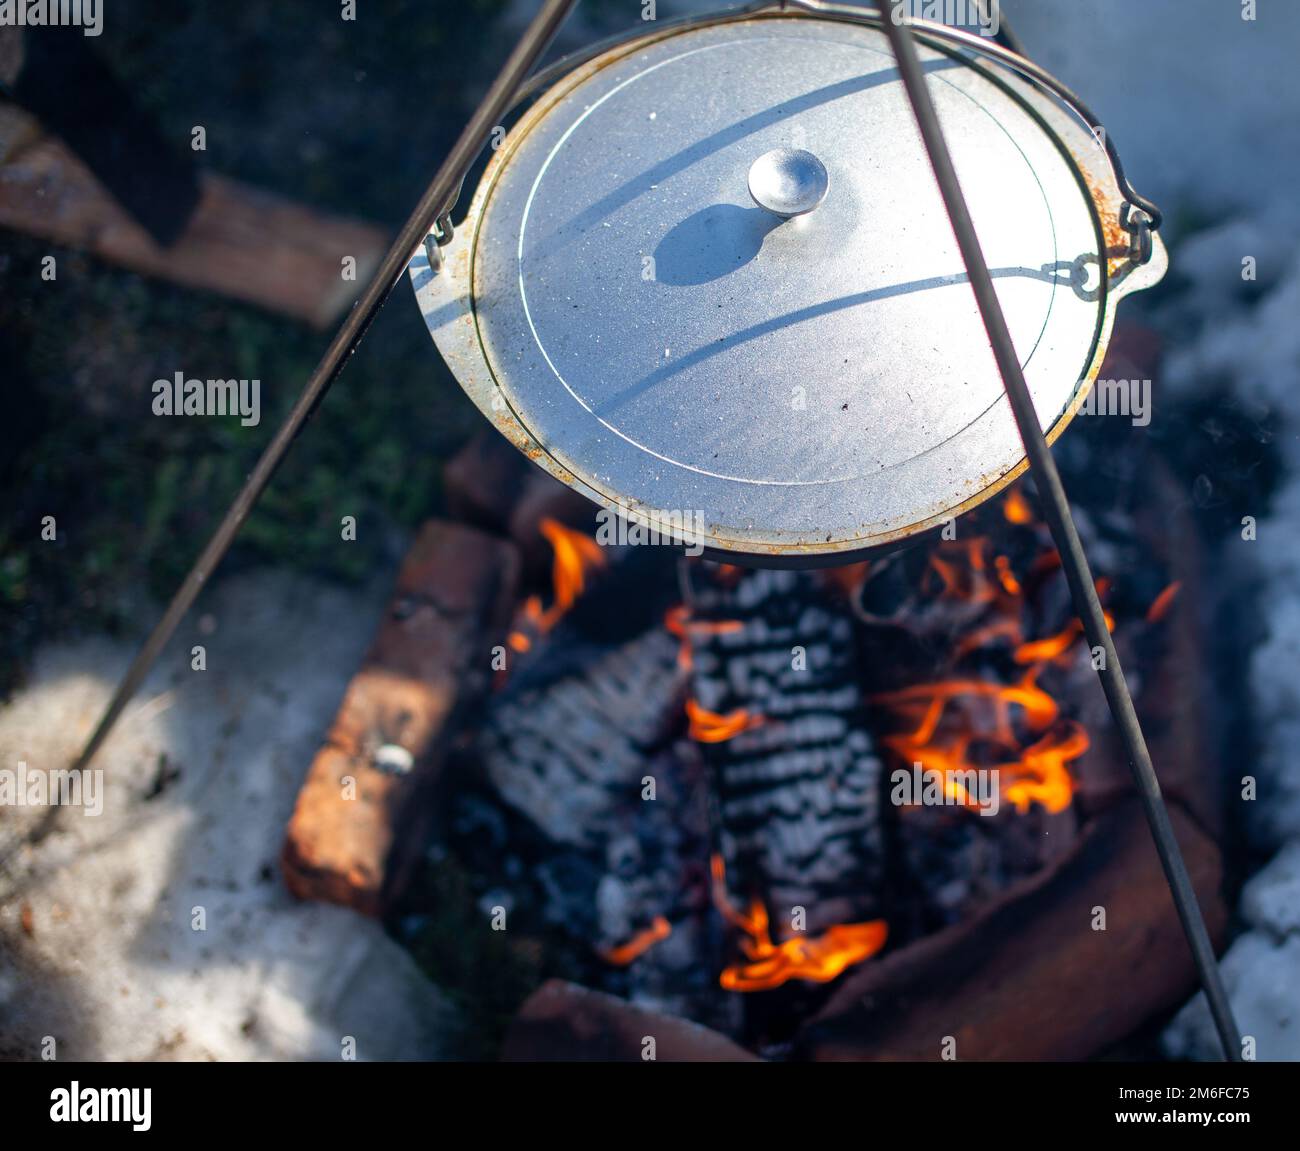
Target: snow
[[1260, 971], [98, 946], [1202, 105]]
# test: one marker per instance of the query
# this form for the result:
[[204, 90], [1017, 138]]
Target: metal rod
[[438, 198], [854, 14], [1006, 37], [1056, 508]]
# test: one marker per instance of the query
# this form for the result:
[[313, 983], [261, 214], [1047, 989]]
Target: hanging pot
[[677, 291]]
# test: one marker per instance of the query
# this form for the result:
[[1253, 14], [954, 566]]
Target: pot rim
[[443, 282]]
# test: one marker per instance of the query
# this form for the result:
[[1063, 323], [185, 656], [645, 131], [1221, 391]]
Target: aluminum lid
[[711, 275]]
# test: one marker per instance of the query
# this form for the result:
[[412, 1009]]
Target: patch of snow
[[1261, 971], [99, 939]]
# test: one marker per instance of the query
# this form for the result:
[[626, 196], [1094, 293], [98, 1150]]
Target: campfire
[[771, 776], [791, 806]]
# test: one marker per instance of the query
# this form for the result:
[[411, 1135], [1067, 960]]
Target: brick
[[562, 1022], [482, 482], [1029, 980], [359, 822]]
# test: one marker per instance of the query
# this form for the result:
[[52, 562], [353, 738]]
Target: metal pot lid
[[710, 275]]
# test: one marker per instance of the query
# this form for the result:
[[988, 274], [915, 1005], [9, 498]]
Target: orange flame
[[1054, 647], [574, 555], [710, 727], [639, 944], [1038, 774], [1050, 648], [1005, 627], [961, 723], [818, 959], [677, 620], [964, 577], [1006, 577], [1016, 508], [1040, 708], [679, 623]]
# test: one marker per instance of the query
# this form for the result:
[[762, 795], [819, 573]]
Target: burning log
[[568, 738], [570, 752], [982, 686], [777, 712], [608, 830], [768, 735], [1033, 976]]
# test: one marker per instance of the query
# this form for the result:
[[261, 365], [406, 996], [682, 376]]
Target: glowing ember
[[1016, 508], [639, 944], [818, 959], [1161, 604]]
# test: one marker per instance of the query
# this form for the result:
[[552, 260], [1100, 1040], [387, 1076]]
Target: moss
[[349, 118]]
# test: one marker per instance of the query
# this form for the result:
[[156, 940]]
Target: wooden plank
[[240, 241]]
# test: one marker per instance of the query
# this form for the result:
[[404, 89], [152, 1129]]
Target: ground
[[160, 928]]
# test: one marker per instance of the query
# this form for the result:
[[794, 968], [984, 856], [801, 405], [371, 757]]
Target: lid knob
[[788, 181]]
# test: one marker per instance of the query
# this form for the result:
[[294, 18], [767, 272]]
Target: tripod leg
[[1056, 510], [437, 200]]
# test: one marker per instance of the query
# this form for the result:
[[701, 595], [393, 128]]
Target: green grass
[[349, 118]]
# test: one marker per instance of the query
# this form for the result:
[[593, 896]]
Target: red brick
[[357, 828]]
